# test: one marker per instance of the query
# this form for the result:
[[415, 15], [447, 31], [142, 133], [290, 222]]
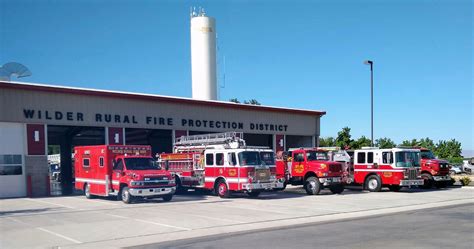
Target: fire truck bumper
[[441, 178], [326, 181], [262, 186], [411, 182], [145, 192]]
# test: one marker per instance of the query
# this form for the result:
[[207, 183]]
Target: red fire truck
[[435, 172], [221, 162], [374, 168], [311, 168], [125, 171]]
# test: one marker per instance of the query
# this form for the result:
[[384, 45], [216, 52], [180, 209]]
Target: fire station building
[[35, 117]]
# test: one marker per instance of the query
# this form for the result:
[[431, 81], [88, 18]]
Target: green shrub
[[465, 180]]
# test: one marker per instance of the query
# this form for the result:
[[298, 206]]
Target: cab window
[[209, 159], [361, 157], [118, 165], [219, 158], [387, 157], [232, 159], [370, 157], [299, 157]]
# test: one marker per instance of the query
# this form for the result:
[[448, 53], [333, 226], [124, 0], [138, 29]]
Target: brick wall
[[36, 168]]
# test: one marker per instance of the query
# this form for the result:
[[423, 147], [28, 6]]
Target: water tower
[[203, 55]]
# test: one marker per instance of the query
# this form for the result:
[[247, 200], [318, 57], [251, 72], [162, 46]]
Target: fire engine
[[311, 168], [374, 168], [125, 171], [433, 171], [221, 162]]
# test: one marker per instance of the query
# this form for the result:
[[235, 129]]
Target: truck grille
[[335, 168], [412, 174], [262, 175], [443, 168], [160, 180]]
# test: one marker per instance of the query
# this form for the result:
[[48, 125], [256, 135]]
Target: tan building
[[34, 117]]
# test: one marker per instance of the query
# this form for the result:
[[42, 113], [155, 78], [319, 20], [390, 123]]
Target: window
[[118, 165], [220, 159], [85, 162], [209, 159], [361, 157], [387, 157], [249, 158], [232, 159], [268, 158], [11, 165], [101, 161], [370, 157], [299, 157], [317, 156], [407, 159]]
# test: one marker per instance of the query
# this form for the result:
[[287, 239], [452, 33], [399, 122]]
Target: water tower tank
[[203, 57]]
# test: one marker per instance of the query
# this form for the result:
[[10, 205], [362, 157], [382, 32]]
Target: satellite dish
[[13, 69]]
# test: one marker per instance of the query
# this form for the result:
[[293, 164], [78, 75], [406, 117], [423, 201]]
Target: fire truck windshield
[[249, 158], [407, 159], [317, 156], [141, 164], [427, 154], [268, 158]]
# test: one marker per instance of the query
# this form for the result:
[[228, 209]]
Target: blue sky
[[300, 54]]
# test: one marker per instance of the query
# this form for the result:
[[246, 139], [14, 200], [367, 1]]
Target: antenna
[[13, 69]]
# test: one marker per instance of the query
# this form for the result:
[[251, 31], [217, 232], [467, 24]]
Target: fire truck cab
[[435, 172], [221, 162], [311, 168], [125, 171], [395, 168]]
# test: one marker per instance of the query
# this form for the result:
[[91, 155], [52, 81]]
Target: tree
[[411, 143], [327, 142], [235, 100], [252, 102], [450, 150], [385, 143], [361, 142], [343, 139], [427, 143]]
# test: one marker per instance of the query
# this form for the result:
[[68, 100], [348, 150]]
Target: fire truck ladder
[[226, 139]]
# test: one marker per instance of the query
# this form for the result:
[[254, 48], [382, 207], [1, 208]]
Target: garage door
[[12, 166]]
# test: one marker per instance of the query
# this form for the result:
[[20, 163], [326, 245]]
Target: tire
[[312, 185], [127, 198], [87, 191], [167, 197], [394, 188], [442, 184], [427, 181], [179, 188], [254, 194], [337, 189], [221, 189], [373, 183]]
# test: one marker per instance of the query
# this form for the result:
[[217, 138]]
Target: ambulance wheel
[[373, 183], [336, 189], [167, 197], [312, 185], [87, 191], [394, 188], [427, 181], [222, 190], [254, 194], [126, 196]]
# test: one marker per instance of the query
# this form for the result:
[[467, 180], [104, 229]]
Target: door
[[298, 164], [12, 160], [117, 174]]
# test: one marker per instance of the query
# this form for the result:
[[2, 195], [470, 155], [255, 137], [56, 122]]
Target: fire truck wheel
[[167, 197], [394, 188], [373, 183], [337, 189], [312, 186], [222, 190], [427, 181], [87, 191], [126, 196], [254, 194], [441, 184]]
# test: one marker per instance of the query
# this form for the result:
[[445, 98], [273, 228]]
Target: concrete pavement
[[76, 222]]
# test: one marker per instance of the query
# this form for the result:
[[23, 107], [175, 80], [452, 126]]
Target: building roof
[[151, 97]]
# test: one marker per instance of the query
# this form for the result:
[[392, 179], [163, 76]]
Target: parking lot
[[79, 222]]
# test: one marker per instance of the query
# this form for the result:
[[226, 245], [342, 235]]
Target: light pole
[[371, 63]]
